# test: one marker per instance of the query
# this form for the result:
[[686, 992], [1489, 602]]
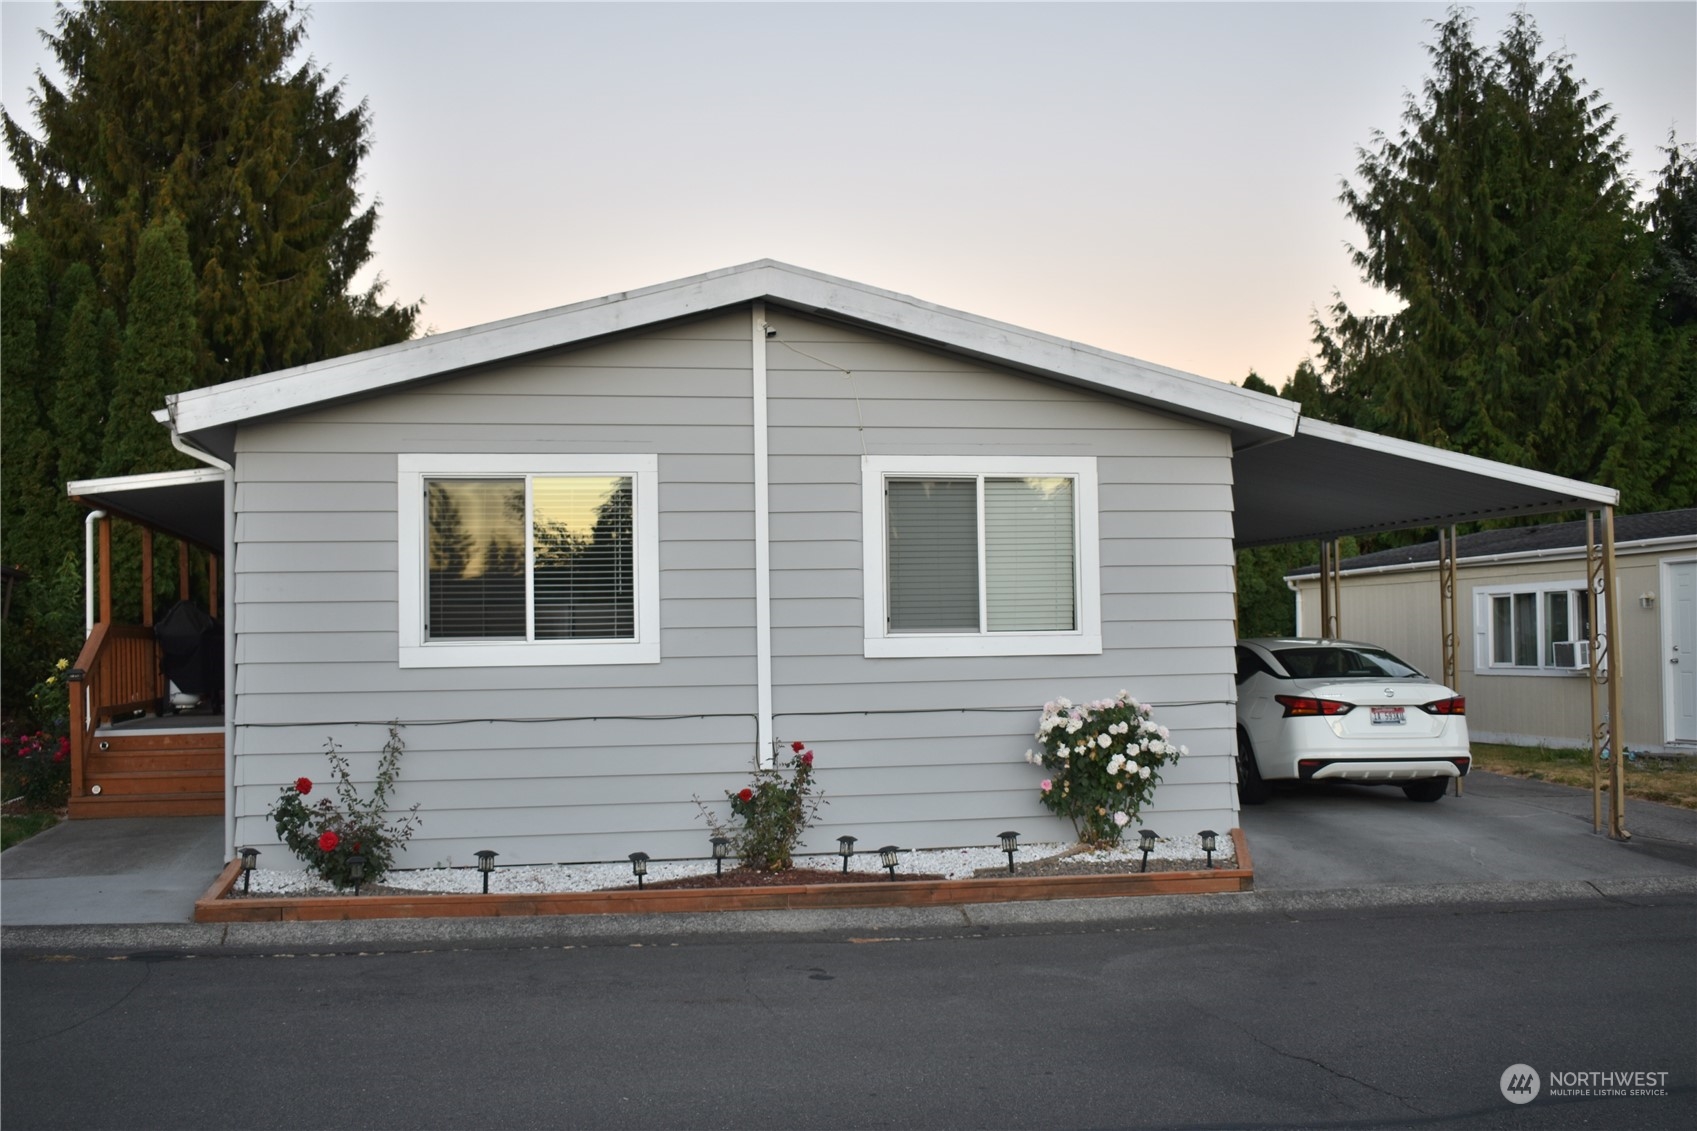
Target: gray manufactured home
[[600, 561]]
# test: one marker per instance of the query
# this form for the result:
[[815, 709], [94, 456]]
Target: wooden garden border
[[213, 907]]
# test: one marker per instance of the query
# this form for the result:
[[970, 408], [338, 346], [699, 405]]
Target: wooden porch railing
[[116, 673]]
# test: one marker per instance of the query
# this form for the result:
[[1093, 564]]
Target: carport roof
[[1295, 479], [1328, 481]]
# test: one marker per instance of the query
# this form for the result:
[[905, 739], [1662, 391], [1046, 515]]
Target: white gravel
[[529, 879]]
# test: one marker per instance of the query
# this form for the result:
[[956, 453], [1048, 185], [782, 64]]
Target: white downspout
[[229, 632], [88, 570], [1296, 589], [765, 751]]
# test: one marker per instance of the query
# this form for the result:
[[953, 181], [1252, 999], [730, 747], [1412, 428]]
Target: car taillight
[[1455, 706], [1295, 705]]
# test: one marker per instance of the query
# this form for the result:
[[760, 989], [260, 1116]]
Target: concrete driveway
[[1326, 837]]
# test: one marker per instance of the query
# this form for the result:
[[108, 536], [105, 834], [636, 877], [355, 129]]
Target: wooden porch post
[[147, 576], [182, 570], [212, 584]]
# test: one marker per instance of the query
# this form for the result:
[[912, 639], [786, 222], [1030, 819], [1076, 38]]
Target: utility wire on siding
[[514, 719]]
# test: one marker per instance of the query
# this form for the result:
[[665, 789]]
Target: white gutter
[[229, 568], [88, 570], [765, 751]]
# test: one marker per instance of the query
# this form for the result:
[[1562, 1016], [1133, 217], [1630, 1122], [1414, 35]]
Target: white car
[[1336, 710]]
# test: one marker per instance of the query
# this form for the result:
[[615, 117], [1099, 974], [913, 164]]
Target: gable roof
[[1655, 527], [1293, 478], [208, 415]]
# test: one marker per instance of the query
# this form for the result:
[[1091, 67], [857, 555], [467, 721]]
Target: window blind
[[1029, 552], [933, 555], [584, 557]]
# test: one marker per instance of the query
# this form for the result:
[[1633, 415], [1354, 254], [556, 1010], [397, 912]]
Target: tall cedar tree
[[1502, 218], [192, 122]]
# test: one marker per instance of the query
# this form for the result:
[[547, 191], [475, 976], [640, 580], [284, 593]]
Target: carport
[[1326, 481]]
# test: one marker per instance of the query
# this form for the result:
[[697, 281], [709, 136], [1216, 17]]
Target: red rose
[[807, 758], [303, 786], [328, 840], [797, 746], [746, 794]]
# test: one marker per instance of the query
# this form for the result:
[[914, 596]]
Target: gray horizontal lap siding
[[316, 606], [316, 641], [925, 776]]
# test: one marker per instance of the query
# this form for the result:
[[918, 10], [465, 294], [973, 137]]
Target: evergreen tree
[[1502, 217], [258, 157], [159, 348], [189, 197]]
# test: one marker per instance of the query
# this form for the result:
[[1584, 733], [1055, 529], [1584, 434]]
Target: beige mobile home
[[1523, 623], [815, 511]]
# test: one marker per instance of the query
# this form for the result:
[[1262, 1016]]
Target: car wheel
[[1251, 788], [1428, 789]]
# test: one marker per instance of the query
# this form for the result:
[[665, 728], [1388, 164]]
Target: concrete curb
[[870, 924]]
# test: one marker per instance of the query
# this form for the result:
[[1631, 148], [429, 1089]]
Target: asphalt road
[[1394, 1016]]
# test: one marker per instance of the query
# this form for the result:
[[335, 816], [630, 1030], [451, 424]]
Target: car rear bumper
[[1381, 769]]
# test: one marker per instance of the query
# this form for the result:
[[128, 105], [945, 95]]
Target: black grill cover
[[191, 649]]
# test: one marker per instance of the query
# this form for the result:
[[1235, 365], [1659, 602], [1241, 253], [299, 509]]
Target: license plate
[[1388, 716]]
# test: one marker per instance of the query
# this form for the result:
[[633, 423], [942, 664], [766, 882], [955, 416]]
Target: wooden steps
[[153, 773]]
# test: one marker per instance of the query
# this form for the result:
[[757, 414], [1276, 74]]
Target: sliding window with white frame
[[985, 556]]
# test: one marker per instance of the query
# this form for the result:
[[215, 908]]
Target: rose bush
[[326, 834], [36, 758], [774, 812], [1104, 757]]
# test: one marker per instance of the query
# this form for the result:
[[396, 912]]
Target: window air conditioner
[[1573, 654]]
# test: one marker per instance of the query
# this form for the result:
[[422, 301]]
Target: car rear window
[[1343, 663]]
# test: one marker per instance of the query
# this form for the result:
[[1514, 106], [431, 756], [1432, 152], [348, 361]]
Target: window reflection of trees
[[582, 547], [584, 578], [476, 559]]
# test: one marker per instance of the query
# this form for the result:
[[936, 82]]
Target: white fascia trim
[[1086, 641], [765, 752], [363, 373], [1581, 492], [415, 652], [148, 481]]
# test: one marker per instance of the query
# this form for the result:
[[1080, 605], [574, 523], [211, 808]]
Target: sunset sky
[[1156, 179]]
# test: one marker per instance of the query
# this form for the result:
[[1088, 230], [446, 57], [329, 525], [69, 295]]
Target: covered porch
[[146, 719]]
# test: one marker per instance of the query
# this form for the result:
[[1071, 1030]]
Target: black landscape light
[[486, 865], [250, 860], [721, 849], [845, 849], [888, 856], [1146, 842], [356, 870], [639, 865], [1010, 845], [1210, 840]]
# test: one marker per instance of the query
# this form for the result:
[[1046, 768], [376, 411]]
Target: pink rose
[[807, 758], [1046, 785]]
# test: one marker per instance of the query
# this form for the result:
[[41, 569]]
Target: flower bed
[[1078, 876]]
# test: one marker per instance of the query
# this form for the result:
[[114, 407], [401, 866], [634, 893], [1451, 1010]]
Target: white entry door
[[1680, 586]]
